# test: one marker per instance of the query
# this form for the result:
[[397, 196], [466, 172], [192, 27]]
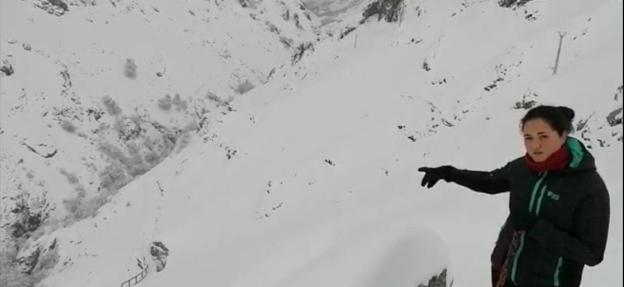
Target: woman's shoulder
[[516, 164], [589, 181], [596, 181]]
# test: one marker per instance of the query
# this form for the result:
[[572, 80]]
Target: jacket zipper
[[557, 271], [539, 202], [535, 189], [514, 268]]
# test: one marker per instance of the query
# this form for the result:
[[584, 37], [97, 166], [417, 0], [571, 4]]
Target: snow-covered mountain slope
[[95, 93], [310, 179], [333, 10]]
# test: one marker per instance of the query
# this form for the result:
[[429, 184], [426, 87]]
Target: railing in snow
[[136, 279]]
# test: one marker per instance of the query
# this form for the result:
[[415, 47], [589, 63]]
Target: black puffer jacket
[[562, 218]]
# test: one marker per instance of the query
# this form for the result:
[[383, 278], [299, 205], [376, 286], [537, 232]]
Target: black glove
[[434, 174]]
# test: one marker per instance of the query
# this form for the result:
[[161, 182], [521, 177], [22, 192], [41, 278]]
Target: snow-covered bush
[[111, 106], [68, 126], [132, 164], [129, 128], [244, 87], [165, 103], [130, 69], [74, 205], [113, 177], [179, 103]]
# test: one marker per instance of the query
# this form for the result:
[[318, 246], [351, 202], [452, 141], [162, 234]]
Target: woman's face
[[540, 140]]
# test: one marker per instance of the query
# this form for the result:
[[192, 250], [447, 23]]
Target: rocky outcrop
[[437, 281], [27, 218], [512, 3], [7, 68], [300, 51], [159, 253], [389, 10], [615, 117]]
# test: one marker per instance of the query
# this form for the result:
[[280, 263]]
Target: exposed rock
[[27, 217], [436, 281], [524, 105], [95, 112], [244, 3], [60, 4], [48, 258], [6, 68], [615, 117], [129, 128], [28, 262], [300, 51], [54, 7], [426, 66], [389, 10], [159, 255], [346, 32], [512, 3]]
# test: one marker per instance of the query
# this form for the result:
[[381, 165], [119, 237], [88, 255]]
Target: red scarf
[[557, 160]]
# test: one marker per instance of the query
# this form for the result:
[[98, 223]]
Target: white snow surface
[[65, 66], [312, 179]]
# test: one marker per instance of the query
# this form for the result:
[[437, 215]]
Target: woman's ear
[[564, 137]]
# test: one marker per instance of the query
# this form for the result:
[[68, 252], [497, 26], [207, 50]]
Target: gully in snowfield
[[558, 205]]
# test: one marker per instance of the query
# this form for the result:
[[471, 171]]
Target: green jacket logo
[[552, 195]]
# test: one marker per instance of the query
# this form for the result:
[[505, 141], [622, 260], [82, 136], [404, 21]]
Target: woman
[[559, 205]]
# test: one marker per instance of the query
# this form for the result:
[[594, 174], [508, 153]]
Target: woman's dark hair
[[559, 118]]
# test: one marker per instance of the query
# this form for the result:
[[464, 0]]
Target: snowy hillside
[[308, 179], [334, 10], [94, 94]]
